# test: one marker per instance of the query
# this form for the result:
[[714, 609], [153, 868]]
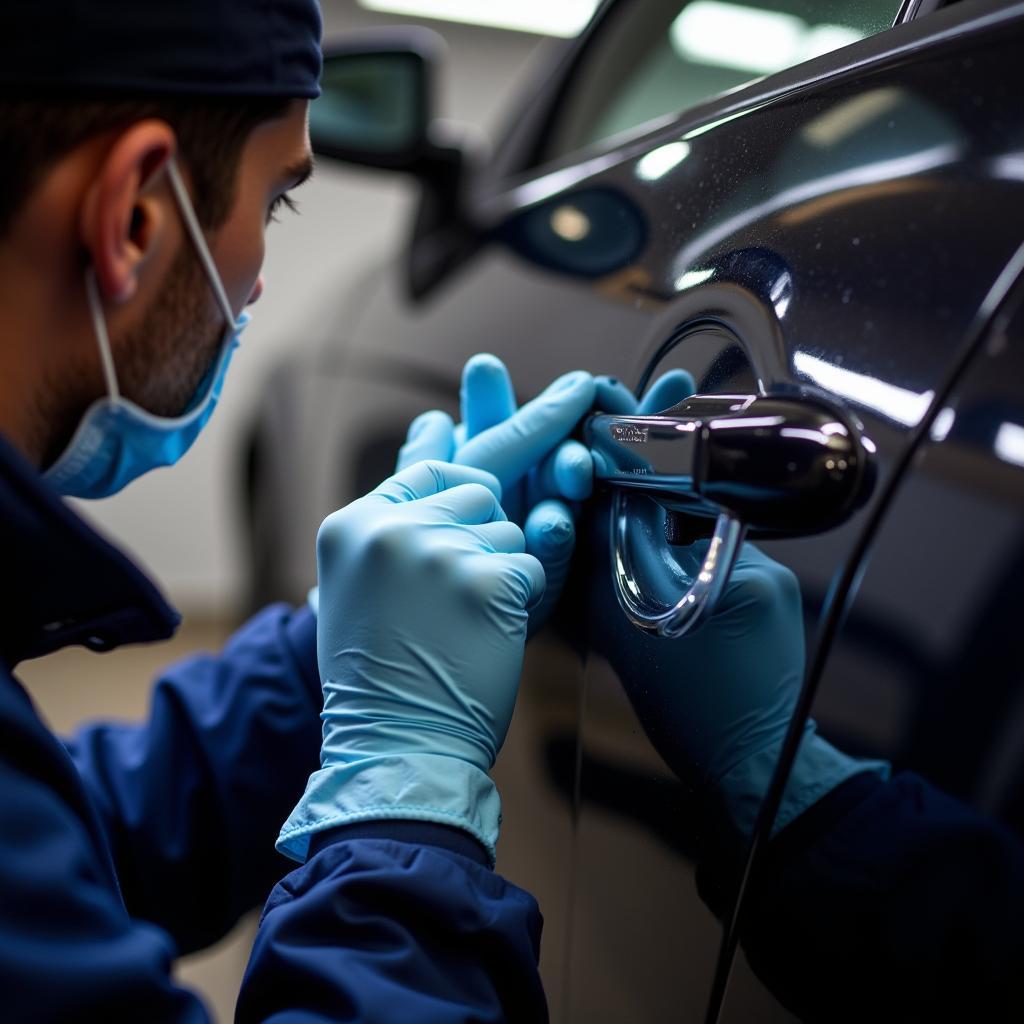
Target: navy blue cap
[[162, 47]]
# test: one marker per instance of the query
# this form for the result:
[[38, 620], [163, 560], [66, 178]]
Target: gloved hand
[[716, 702], [527, 449], [611, 395], [540, 469], [425, 591]]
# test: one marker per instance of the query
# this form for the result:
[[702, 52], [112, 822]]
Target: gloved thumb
[[668, 390]]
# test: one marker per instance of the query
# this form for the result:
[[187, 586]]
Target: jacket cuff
[[817, 770], [415, 833], [410, 787]]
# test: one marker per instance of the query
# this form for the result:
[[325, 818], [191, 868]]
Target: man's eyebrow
[[298, 173]]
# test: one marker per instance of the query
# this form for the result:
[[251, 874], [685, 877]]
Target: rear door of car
[[920, 664], [832, 229]]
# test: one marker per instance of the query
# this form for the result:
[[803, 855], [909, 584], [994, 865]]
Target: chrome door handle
[[786, 466]]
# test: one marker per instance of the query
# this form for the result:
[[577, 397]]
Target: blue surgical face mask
[[116, 440]]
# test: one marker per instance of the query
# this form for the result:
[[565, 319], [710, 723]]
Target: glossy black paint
[[836, 233], [947, 666]]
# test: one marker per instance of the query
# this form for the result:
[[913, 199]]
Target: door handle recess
[[757, 465]]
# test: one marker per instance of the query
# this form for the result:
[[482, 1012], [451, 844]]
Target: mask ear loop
[[195, 232], [99, 326]]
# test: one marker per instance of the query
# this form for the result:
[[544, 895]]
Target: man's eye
[[282, 200]]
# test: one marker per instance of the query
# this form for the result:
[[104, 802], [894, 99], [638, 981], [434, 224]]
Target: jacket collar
[[61, 583]]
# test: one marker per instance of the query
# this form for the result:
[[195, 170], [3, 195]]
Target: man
[[145, 147]]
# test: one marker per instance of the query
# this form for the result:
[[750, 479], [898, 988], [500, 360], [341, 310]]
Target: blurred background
[[185, 525]]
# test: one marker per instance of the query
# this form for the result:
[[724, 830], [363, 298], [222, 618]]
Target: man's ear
[[124, 217]]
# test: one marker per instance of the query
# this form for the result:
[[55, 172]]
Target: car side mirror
[[377, 109], [377, 99]]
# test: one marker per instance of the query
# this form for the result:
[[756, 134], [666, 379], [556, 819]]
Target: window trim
[[912, 9], [555, 115], [510, 181]]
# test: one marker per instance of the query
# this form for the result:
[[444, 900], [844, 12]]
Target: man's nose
[[257, 291]]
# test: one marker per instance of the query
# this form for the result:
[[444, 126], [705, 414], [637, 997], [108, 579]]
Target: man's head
[[84, 183]]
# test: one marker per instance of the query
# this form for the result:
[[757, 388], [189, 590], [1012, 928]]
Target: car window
[[656, 57]]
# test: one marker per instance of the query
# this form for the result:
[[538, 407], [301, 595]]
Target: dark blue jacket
[[891, 901], [131, 844]]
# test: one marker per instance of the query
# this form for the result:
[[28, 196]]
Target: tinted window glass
[[657, 57]]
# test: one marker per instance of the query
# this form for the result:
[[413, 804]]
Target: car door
[[838, 343], [831, 230], [920, 665]]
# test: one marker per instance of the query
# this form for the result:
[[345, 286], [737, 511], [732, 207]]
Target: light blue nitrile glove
[[542, 471], [527, 449], [716, 703], [425, 590], [669, 389]]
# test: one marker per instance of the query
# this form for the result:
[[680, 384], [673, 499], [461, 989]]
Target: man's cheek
[[257, 291]]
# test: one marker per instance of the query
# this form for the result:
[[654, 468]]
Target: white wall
[[180, 523]]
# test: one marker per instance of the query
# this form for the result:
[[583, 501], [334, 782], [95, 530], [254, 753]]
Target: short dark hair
[[37, 131]]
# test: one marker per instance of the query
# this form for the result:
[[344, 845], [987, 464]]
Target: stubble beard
[[161, 362], [158, 364]]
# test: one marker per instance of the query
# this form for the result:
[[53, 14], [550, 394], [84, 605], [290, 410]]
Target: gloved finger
[[611, 395], [431, 477], [567, 473], [431, 436], [757, 582], [668, 390], [528, 573], [504, 537], [513, 447], [468, 504], [486, 396], [460, 436], [550, 537]]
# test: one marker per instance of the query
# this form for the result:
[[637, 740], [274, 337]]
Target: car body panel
[[931, 646], [925, 669]]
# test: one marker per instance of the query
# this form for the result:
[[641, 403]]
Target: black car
[[815, 204]]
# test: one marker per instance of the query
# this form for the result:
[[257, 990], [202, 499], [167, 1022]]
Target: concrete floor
[[75, 685]]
